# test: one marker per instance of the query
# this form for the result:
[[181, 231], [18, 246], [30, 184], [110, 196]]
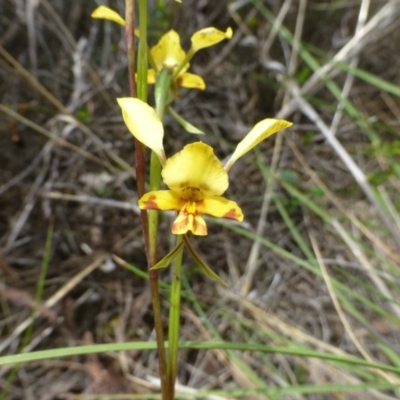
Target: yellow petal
[[196, 167], [186, 222], [161, 200], [190, 81], [151, 76], [220, 207], [168, 53], [143, 123], [104, 12], [261, 131], [208, 37]]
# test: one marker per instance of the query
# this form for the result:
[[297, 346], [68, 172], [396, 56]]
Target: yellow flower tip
[[234, 213], [261, 131], [142, 121], [104, 12], [208, 37], [190, 81], [220, 207]]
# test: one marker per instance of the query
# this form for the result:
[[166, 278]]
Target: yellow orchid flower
[[168, 53], [196, 181], [195, 177]]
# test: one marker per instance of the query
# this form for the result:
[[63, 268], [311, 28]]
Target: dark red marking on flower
[[179, 80], [150, 203], [232, 214]]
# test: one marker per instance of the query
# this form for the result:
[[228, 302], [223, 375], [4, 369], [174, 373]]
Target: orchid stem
[[147, 222], [174, 318], [162, 90], [161, 94]]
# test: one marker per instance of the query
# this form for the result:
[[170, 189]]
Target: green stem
[[174, 319], [142, 52], [161, 95]]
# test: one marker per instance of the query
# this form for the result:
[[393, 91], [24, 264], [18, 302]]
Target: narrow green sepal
[[200, 262], [185, 124], [164, 262]]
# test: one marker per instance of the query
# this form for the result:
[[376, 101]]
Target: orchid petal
[[143, 123], [196, 166], [186, 221], [261, 131], [104, 12], [208, 37], [220, 207], [161, 200], [190, 81], [168, 53]]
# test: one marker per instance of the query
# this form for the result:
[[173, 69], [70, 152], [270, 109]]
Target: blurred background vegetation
[[312, 271]]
